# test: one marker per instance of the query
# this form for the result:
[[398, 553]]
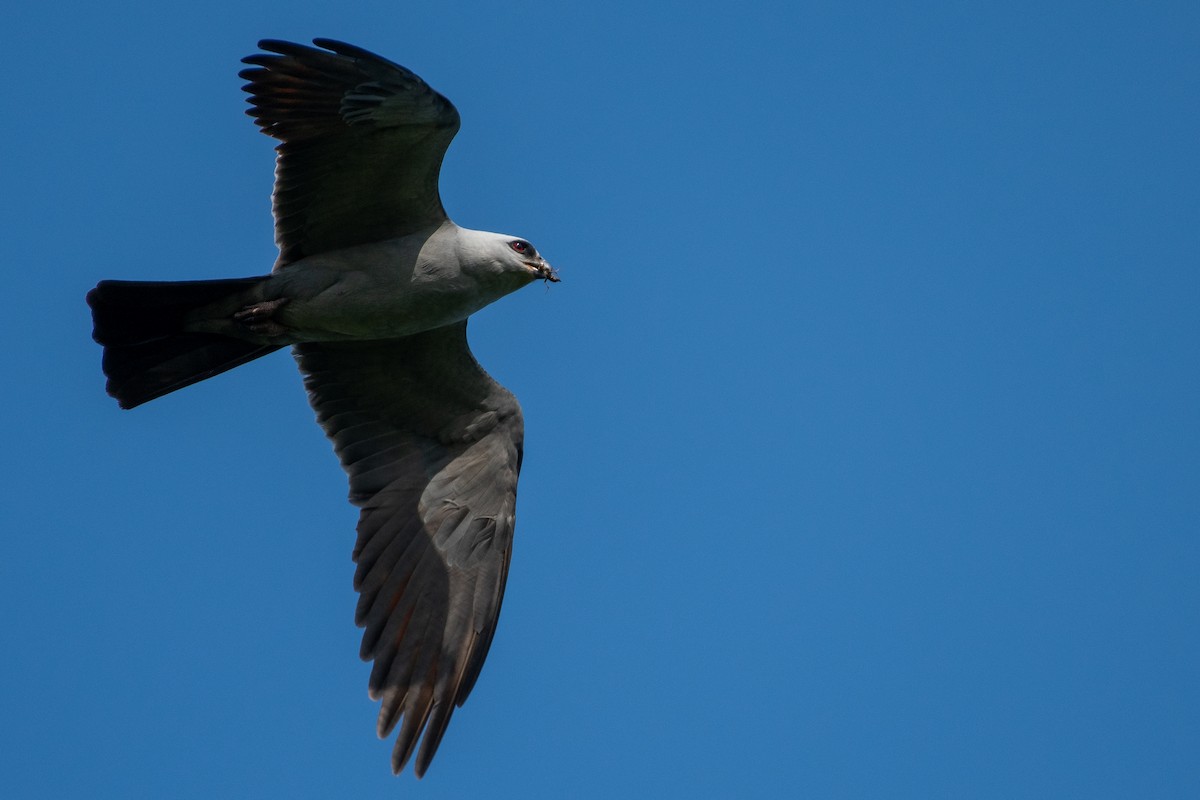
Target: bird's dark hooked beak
[[546, 272]]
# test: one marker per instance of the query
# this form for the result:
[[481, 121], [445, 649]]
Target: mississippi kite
[[372, 290]]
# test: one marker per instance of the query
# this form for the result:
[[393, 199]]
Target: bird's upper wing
[[362, 145], [432, 446]]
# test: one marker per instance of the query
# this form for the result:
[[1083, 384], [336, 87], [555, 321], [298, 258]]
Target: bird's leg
[[259, 318]]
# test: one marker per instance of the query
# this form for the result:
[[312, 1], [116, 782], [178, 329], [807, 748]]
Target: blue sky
[[862, 432]]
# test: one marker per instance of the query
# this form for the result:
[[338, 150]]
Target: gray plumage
[[372, 288]]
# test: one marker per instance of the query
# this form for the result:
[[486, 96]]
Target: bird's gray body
[[372, 288], [379, 290]]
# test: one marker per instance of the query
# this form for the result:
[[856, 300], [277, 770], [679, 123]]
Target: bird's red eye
[[519, 246]]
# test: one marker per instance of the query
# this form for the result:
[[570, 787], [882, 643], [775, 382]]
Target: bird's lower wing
[[432, 446]]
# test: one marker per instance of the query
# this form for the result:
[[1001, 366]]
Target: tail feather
[[147, 352]]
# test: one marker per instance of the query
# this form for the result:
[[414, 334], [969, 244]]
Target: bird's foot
[[259, 318]]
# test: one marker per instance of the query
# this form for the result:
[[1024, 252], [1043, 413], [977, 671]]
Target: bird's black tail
[[147, 352]]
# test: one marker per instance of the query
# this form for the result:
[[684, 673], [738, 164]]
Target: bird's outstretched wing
[[362, 145], [432, 446]]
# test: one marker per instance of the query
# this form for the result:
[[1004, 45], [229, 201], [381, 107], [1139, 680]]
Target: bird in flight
[[372, 290]]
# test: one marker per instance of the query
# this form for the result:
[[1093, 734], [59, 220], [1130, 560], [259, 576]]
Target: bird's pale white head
[[503, 254]]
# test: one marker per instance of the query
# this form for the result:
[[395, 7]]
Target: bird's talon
[[257, 318]]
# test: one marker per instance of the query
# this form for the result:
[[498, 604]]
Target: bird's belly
[[352, 309], [347, 304]]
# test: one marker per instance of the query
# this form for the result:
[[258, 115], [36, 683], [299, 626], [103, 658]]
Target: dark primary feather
[[362, 145], [432, 446]]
